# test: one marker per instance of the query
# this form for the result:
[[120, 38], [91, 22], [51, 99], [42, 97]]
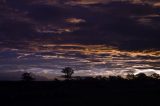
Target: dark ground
[[87, 92]]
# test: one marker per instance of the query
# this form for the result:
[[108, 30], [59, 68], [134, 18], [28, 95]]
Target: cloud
[[14, 76], [95, 37], [75, 20], [49, 59], [113, 23], [119, 23]]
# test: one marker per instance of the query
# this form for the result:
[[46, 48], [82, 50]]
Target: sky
[[94, 37]]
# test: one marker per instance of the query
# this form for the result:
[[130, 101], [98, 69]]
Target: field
[[81, 92]]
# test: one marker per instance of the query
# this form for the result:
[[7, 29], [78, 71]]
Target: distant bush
[[27, 77], [155, 76], [130, 76]]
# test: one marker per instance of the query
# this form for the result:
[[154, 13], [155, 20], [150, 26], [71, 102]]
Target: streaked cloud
[[85, 59], [75, 20], [95, 37]]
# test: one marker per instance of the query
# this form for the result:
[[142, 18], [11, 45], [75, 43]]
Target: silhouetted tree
[[68, 71], [155, 76], [141, 76], [27, 77]]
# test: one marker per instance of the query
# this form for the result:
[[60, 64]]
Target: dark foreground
[[88, 92]]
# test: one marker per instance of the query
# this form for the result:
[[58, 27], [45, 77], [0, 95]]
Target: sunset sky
[[94, 37]]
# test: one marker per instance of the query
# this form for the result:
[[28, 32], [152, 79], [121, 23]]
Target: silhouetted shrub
[[155, 76], [130, 76], [100, 78], [27, 77]]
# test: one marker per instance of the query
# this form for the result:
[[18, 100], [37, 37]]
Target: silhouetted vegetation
[[155, 76], [134, 90], [27, 77], [130, 76], [68, 71]]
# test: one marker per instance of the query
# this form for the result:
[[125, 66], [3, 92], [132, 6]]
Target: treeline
[[141, 76], [133, 90]]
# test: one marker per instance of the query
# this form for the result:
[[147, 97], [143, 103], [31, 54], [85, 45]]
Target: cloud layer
[[88, 60], [95, 37], [126, 24]]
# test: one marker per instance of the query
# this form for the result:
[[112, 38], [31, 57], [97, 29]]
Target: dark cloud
[[125, 24], [46, 13], [113, 24], [44, 36], [15, 29]]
